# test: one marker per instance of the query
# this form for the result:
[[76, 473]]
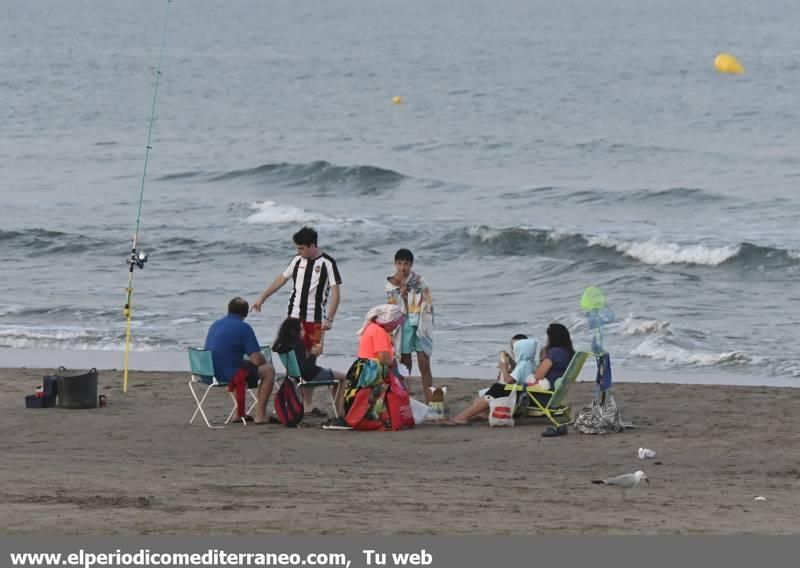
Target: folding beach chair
[[289, 362], [552, 404], [201, 363]]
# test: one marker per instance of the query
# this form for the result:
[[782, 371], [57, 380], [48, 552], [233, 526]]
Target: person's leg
[[405, 359], [463, 417], [267, 374], [426, 376], [340, 390], [308, 397], [406, 345]]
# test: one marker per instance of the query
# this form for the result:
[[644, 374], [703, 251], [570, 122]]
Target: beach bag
[[398, 403], [366, 410], [602, 417], [501, 409], [288, 406], [437, 407]]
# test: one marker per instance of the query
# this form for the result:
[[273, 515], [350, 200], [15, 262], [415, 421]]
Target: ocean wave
[[654, 252], [641, 326], [194, 250], [78, 340], [319, 175], [662, 197], [658, 253], [671, 196], [38, 241], [269, 213], [59, 312], [657, 348]]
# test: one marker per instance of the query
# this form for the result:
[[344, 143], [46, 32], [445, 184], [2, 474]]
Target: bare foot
[[453, 422]]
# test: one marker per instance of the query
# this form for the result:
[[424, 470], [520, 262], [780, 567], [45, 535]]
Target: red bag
[[396, 385], [400, 412], [288, 405], [359, 407], [356, 416], [398, 402]]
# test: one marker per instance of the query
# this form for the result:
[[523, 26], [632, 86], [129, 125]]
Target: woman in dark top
[[553, 362], [290, 338], [556, 355]]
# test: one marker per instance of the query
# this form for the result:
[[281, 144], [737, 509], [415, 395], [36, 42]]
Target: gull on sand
[[624, 481]]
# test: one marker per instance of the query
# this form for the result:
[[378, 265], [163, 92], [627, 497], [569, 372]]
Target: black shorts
[[498, 390]]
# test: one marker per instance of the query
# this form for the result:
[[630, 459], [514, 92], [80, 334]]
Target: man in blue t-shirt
[[230, 340]]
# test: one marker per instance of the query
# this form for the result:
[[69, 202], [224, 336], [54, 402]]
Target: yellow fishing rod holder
[[137, 259]]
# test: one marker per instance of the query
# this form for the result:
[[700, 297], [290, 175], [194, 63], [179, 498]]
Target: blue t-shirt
[[560, 359], [229, 339]]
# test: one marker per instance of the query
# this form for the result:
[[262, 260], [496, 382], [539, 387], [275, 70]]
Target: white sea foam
[[659, 253], [73, 340], [483, 233], [640, 326], [269, 212], [652, 348]]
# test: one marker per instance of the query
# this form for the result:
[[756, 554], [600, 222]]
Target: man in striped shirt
[[315, 277]]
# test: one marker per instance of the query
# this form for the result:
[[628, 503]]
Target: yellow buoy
[[398, 100], [727, 63]]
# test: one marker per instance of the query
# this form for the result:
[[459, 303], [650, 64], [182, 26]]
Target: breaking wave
[[536, 242]]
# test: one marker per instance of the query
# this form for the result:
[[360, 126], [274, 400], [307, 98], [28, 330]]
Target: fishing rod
[[139, 258]]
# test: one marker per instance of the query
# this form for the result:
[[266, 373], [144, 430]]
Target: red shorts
[[312, 333]]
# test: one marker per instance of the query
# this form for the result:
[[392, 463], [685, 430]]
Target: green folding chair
[[289, 362], [201, 364], [552, 404]]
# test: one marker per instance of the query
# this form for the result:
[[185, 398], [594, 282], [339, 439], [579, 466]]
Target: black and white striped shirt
[[313, 279]]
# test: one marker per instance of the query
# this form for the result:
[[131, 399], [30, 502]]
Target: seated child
[[507, 358]]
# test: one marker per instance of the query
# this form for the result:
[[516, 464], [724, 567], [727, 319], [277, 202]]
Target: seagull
[[624, 481]]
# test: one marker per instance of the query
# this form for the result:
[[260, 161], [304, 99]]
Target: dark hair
[[305, 236], [519, 336], [558, 336], [238, 306], [288, 333], [404, 254]]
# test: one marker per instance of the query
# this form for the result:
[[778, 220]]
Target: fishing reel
[[137, 259]]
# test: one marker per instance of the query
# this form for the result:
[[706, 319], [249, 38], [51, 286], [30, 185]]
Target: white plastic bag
[[501, 410], [419, 410]]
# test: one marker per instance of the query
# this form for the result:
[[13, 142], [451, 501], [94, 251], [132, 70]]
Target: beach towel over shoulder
[[418, 307]]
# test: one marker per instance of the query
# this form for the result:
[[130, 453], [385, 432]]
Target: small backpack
[[288, 405]]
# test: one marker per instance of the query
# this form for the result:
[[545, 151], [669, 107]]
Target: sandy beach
[[136, 466]]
